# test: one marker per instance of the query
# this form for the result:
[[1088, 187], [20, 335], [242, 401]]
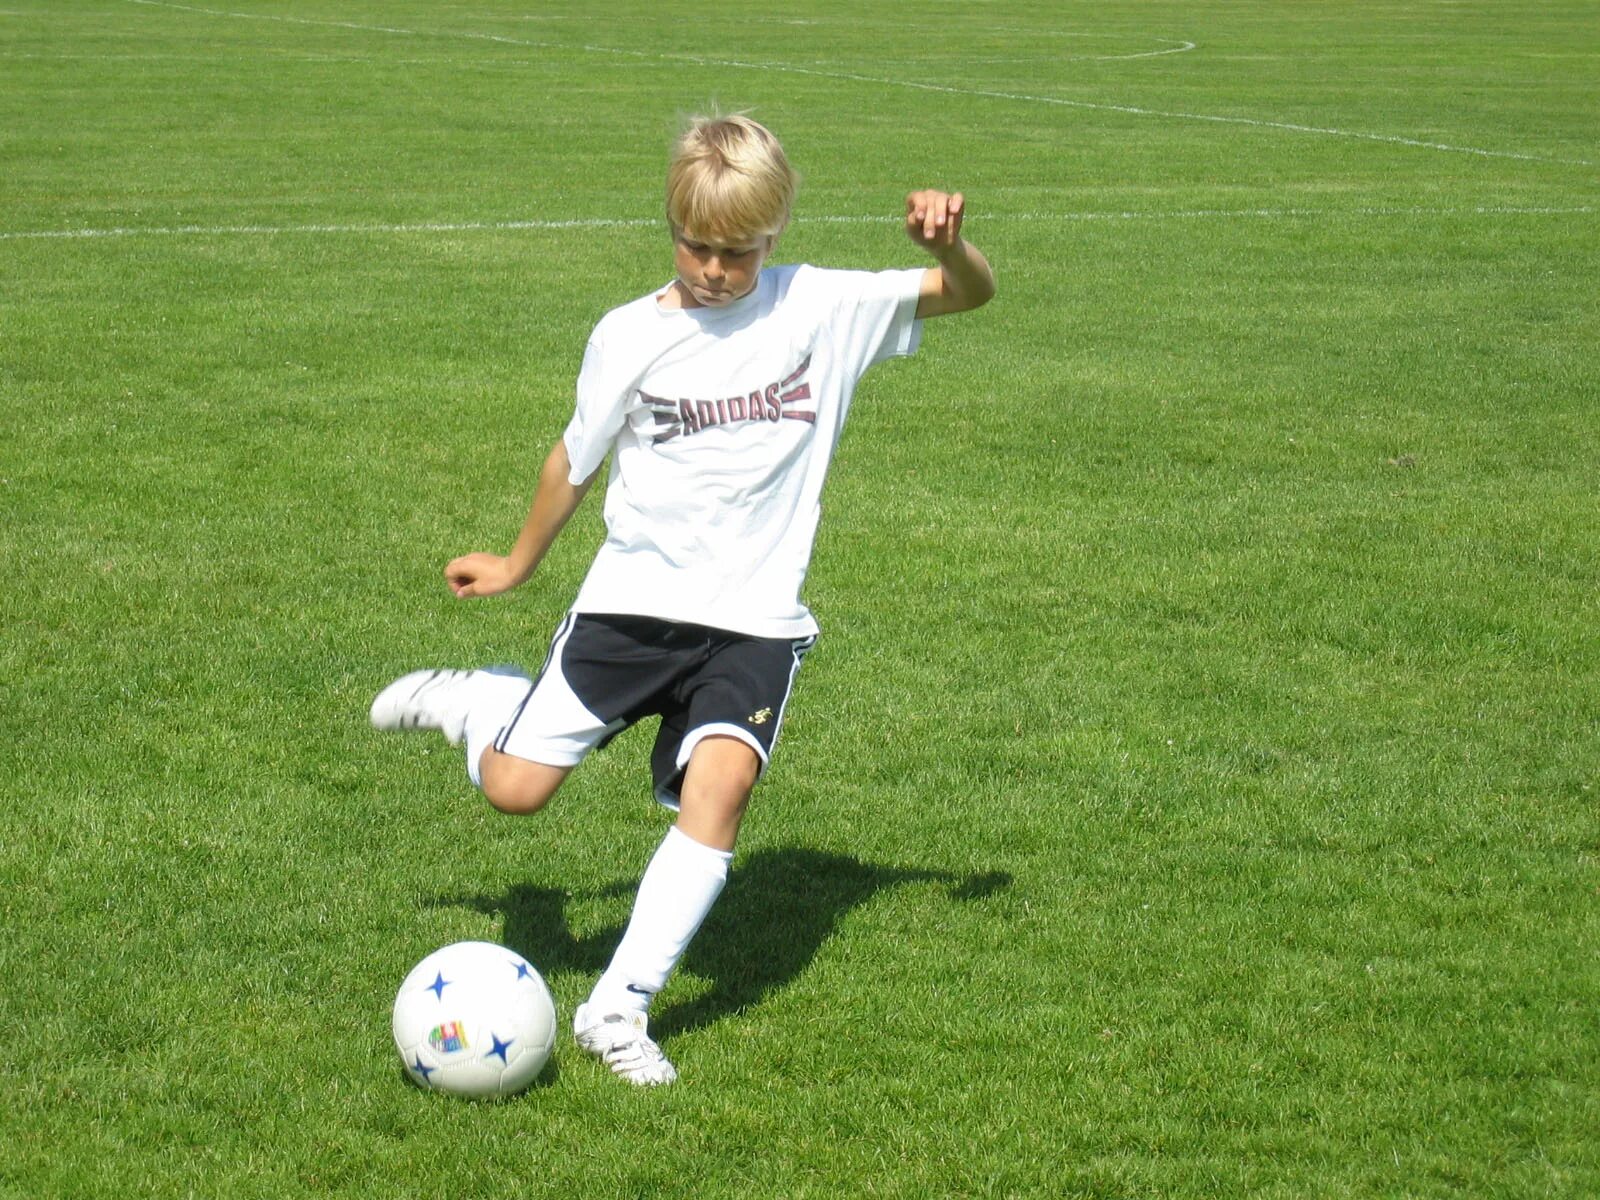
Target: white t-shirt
[[721, 423]]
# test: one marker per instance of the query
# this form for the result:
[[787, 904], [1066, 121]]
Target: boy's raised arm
[[963, 279]]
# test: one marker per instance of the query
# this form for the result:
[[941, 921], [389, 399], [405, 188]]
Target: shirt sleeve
[[601, 412], [877, 315]]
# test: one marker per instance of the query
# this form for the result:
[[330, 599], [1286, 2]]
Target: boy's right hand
[[480, 575]]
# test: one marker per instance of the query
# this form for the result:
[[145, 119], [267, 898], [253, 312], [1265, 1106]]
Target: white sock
[[679, 887], [495, 698]]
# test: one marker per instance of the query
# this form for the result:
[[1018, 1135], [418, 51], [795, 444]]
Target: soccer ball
[[474, 1019]]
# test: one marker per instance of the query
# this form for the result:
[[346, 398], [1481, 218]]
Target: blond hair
[[729, 180]]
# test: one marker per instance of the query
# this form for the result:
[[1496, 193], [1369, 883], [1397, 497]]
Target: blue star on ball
[[500, 1048], [422, 1069], [438, 985]]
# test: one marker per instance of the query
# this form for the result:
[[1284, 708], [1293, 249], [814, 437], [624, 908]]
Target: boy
[[719, 400]]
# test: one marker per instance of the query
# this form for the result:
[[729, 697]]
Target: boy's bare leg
[[716, 790], [516, 785]]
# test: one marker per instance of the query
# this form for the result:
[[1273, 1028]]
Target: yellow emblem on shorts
[[760, 718]]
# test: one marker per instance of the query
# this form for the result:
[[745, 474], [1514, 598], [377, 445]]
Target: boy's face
[[714, 272]]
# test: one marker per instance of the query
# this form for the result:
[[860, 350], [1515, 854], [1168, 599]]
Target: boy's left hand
[[933, 219]]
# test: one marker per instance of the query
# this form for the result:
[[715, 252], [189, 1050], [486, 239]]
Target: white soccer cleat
[[623, 1044], [437, 699]]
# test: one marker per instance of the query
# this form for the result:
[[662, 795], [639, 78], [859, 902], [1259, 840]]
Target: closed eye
[[720, 251]]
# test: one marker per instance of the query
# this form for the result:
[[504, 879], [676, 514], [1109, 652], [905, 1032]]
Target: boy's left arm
[[963, 279]]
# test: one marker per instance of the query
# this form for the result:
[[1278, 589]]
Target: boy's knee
[[716, 790], [517, 786], [724, 770]]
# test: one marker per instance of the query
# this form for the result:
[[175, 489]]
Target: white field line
[[853, 77], [1061, 218], [276, 230], [1175, 46], [1180, 48]]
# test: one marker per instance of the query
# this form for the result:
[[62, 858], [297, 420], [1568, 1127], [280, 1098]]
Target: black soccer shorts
[[604, 673]]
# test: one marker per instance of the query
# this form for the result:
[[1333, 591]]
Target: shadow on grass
[[777, 910]]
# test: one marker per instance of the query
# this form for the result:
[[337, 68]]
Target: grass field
[[1193, 793]]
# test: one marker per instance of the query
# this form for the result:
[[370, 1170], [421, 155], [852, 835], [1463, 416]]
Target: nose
[[713, 269]]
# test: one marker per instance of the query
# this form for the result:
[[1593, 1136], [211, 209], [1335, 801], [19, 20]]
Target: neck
[[677, 296]]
